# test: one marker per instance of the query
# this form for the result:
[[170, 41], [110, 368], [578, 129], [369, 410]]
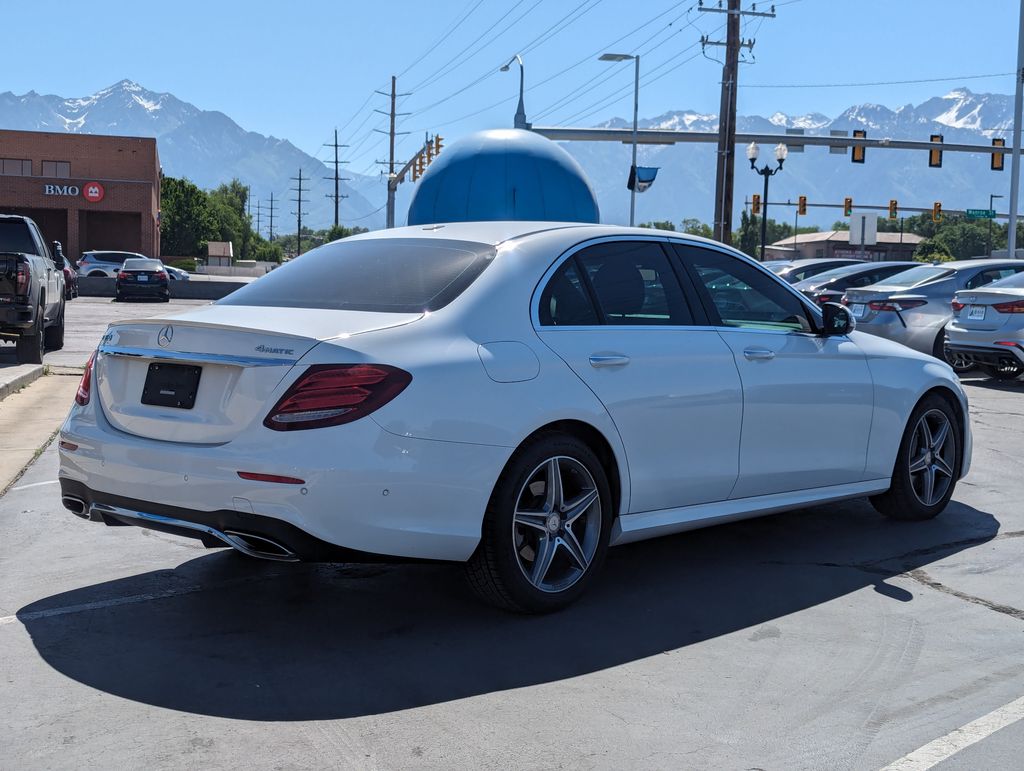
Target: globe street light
[[781, 151], [636, 105], [520, 119]]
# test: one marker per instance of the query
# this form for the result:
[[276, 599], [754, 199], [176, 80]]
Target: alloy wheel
[[932, 457], [556, 526]]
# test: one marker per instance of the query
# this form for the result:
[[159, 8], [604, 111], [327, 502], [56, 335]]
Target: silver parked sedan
[[987, 327], [913, 307]]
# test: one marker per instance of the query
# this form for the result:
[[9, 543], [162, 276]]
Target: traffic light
[[417, 168], [429, 152], [755, 204], [847, 206], [437, 144], [997, 158], [935, 156], [893, 207], [937, 211], [857, 156], [801, 205]]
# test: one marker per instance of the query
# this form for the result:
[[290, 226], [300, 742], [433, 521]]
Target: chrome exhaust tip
[[76, 506]]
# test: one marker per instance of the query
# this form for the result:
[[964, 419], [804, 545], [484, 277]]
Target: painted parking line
[[946, 746], [34, 484]]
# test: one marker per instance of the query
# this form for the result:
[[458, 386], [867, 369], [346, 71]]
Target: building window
[[56, 169], [16, 167]]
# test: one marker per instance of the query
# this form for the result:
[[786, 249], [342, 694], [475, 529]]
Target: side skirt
[[651, 524]]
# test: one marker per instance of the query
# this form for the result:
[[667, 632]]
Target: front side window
[[744, 296], [634, 284], [393, 275]]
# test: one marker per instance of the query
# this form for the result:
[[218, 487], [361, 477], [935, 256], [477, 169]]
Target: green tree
[[658, 225], [186, 219], [228, 204], [695, 227]]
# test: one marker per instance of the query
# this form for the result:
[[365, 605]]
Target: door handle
[[608, 360], [758, 354]]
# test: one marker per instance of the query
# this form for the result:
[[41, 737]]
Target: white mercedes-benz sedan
[[514, 396]]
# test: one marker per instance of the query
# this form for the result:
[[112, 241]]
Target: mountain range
[[209, 148]]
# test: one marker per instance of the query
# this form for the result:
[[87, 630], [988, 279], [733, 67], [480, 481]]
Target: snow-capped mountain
[[686, 182], [205, 146]]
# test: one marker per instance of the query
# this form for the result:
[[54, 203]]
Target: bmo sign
[[90, 191]]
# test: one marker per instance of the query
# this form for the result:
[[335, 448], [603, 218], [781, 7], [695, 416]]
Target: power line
[[877, 82], [433, 46]]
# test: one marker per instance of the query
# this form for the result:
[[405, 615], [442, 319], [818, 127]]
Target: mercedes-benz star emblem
[[165, 336]]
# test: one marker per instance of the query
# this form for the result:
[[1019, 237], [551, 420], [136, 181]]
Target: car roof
[[117, 251], [503, 231], [985, 263]]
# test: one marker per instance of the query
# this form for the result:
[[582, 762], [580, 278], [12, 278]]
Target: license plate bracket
[[976, 312], [171, 385], [857, 309]]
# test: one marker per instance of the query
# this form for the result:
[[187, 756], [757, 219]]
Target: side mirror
[[836, 320]]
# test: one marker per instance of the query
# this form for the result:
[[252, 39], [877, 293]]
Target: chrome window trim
[[711, 246], [203, 358]]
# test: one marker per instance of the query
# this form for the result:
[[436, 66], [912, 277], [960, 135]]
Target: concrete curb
[[180, 290], [17, 377]]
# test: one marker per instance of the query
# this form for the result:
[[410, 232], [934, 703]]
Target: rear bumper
[[15, 317], [993, 356], [364, 489], [142, 290]]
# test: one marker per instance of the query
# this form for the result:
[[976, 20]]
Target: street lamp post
[[991, 198], [781, 151], [520, 119], [636, 109]]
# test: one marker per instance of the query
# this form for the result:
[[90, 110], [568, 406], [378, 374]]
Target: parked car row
[[108, 264]]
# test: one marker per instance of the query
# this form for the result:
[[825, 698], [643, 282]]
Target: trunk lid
[[978, 312], [147, 368]]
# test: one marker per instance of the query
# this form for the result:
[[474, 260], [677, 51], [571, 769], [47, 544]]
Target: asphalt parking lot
[[823, 638]]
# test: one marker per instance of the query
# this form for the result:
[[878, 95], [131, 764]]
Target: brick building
[[836, 243], [86, 191]]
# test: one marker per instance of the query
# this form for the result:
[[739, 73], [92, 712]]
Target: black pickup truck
[[31, 290]]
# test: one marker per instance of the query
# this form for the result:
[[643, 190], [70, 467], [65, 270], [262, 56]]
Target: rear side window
[[565, 302], [15, 236], [396, 275], [634, 284]]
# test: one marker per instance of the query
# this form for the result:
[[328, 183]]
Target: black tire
[[29, 347], [53, 335], [1001, 373], [941, 351], [906, 498], [497, 570]]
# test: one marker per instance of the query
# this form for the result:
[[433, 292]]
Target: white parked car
[[514, 396]]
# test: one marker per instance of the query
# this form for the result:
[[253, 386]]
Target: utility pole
[[392, 183], [299, 200], [337, 165], [727, 112], [259, 211], [1018, 105], [270, 229]]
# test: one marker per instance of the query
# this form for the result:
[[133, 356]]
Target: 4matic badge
[[267, 349]]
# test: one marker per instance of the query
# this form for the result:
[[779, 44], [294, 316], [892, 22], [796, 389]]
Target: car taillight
[[895, 305], [22, 280], [160, 274], [1017, 306], [122, 275], [333, 394], [957, 306], [85, 384]]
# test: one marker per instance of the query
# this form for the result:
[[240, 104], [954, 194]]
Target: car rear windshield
[[16, 237], [396, 275], [915, 276], [136, 263]]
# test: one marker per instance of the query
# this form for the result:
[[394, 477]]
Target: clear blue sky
[[298, 69]]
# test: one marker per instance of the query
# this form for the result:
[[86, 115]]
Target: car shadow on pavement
[[235, 638]]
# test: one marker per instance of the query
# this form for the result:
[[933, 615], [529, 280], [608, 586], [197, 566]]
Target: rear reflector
[[85, 384], [69, 446], [333, 394], [1017, 306], [251, 475]]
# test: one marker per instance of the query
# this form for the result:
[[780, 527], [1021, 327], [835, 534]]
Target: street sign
[[981, 214], [863, 229]]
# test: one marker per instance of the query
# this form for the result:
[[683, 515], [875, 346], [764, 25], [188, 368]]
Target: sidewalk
[[28, 419]]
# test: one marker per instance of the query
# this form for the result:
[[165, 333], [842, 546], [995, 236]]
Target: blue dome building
[[503, 174]]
